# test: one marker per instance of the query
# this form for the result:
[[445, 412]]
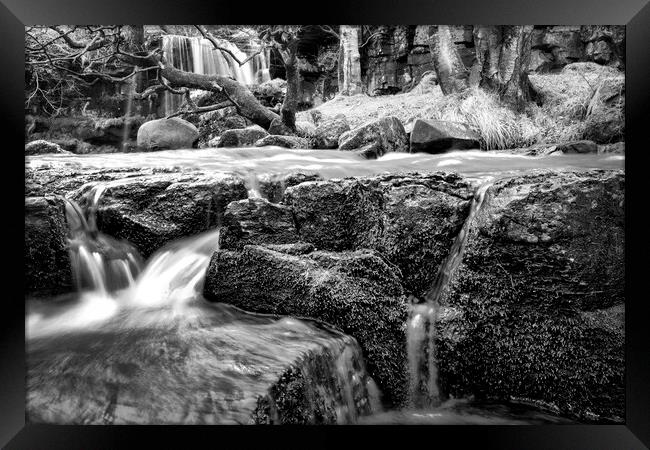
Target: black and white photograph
[[325, 224]]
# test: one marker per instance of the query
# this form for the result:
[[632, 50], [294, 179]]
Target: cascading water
[[198, 55], [421, 330]]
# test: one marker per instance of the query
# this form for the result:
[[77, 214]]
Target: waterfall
[[198, 55], [421, 329]]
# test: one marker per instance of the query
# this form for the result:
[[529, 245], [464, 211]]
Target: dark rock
[[47, 261], [411, 219], [328, 132], [41, 147], [535, 310], [437, 136], [578, 147], [279, 128], [244, 137], [167, 134], [213, 124], [151, 211], [256, 221], [272, 186], [387, 132], [337, 214], [283, 141], [370, 151], [354, 291]]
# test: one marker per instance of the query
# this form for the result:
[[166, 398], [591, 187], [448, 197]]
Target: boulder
[[256, 221], [578, 147], [48, 269], [437, 136], [388, 133], [242, 137], [167, 134], [41, 147], [283, 141], [328, 132], [605, 121], [356, 292], [535, 310], [411, 219], [213, 124], [150, 211], [617, 148], [279, 128]]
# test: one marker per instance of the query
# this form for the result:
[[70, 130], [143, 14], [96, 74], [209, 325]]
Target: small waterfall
[[198, 55], [421, 331]]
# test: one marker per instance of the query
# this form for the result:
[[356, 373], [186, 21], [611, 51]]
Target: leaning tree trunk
[[452, 73], [245, 102], [290, 103], [502, 53], [350, 61]]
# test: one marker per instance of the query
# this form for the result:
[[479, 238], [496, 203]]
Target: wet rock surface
[[40, 147], [204, 367], [536, 308], [284, 141], [242, 137], [47, 262], [355, 291]]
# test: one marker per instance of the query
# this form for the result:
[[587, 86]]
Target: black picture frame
[[635, 14]]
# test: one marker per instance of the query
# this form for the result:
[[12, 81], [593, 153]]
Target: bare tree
[[349, 61], [85, 54], [452, 74]]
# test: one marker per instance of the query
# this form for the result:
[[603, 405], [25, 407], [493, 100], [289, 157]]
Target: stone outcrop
[[355, 291], [167, 134], [41, 147], [388, 133], [47, 262], [584, 146], [438, 136], [243, 137], [329, 131], [283, 141], [536, 308]]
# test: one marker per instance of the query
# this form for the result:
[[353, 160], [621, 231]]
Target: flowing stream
[[139, 344]]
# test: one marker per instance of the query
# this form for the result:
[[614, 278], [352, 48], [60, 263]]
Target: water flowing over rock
[[436, 136], [329, 131], [354, 291], [150, 211], [167, 134], [535, 310], [47, 262], [243, 137], [283, 141], [388, 133]]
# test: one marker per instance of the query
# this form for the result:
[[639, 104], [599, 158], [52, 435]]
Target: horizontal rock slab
[[48, 269], [242, 137], [355, 291], [167, 134], [220, 366], [412, 219], [256, 221], [438, 136], [283, 141], [538, 299], [150, 211], [388, 133]]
